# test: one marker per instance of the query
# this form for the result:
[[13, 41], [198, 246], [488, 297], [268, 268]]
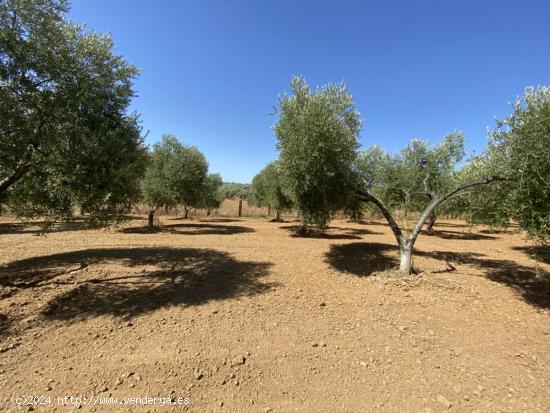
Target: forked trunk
[[186, 212], [406, 244], [278, 217]]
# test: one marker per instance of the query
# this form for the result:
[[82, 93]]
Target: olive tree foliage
[[321, 169], [407, 180], [177, 175], [235, 189], [66, 141], [267, 190], [317, 133], [211, 197], [518, 150]]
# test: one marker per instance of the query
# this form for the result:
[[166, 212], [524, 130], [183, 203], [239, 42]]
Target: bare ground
[[239, 315]]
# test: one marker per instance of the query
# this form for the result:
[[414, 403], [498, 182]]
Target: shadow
[[220, 220], [35, 227], [129, 217], [358, 231], [450, 225], [5, 325], [459, 235], [133, 281], [532, 284], [191, 229], [362, 258], [314, 233], [509, 228], [539, 253]]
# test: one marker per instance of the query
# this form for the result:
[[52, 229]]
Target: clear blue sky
[[211, 71]]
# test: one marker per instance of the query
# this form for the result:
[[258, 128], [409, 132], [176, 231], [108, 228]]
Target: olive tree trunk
[[151, 217], [186, 211], [406, 244], [7, 182], [431, 222]]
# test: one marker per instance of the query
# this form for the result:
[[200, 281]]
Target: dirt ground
[[239, 315]]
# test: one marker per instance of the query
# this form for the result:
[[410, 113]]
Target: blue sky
[[211, 71]]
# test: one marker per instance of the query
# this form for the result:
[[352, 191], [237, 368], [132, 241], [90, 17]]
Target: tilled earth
[[239, 315]]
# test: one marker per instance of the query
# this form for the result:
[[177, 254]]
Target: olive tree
[[406, 180], [519, 150], [318, 138], [317, 133], [210, 196], [419, 179], [177, 174], [66, 141], [267, 190]]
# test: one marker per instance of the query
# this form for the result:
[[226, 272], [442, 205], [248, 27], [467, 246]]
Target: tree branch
[[451, 194], [19, 172], [368, 197]]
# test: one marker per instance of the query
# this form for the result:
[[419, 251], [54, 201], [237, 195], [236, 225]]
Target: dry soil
[[239, 316]]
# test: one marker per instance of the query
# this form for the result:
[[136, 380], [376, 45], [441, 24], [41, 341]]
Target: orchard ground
[[239, 315]]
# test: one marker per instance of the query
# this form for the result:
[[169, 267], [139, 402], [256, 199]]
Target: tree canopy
[[406, 180], [235, 189], [317, 133], [267, 189], [518, 150], [177, 175], [66, 140]]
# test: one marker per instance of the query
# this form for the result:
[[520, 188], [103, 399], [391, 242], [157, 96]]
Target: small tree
[[188, 170], [267, 190], [405, 181], [66, 141], [317, 134], [176, 175], [211, 196]]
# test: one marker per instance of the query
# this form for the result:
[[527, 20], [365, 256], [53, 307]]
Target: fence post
[[240, 207]]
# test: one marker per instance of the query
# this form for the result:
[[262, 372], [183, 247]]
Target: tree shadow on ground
[[458, 235], [5, 325], [539, 253], [191, 229], [137, 281], [362, 258], [220, 220], [36, 227], [532, 284], [497, 231], [347, 233]]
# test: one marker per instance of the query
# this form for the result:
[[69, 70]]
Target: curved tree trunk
[[406, 245], [186, 211]]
